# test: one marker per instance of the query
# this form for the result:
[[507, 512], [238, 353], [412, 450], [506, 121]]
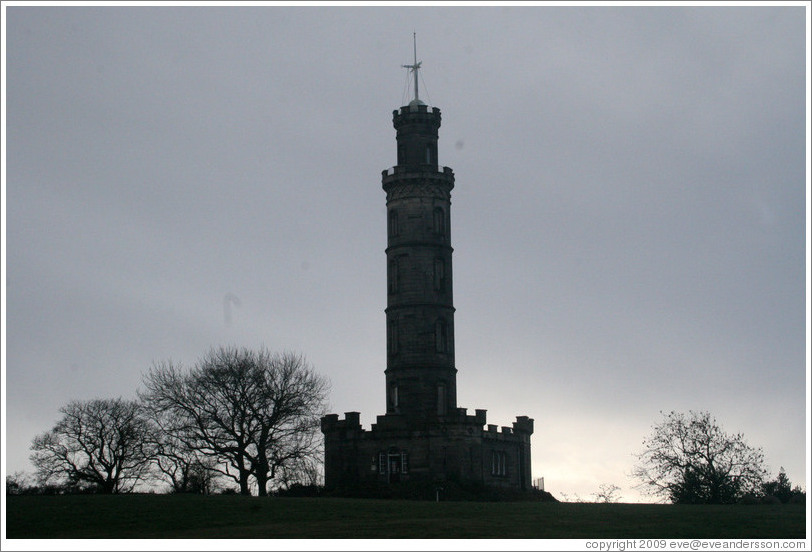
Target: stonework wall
[[457, 450]]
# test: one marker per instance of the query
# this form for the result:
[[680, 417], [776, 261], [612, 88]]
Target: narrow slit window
[[394, 276], [393, 223], [439, 222], [394, 397], [441, 336], [439, 275], [394, 337], [441, 399]]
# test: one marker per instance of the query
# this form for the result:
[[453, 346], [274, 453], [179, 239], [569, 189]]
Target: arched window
[[498, 463], [441, 336], [428, 154]]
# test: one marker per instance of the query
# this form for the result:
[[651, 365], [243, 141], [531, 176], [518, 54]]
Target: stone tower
[[424, 439], [420, 373]]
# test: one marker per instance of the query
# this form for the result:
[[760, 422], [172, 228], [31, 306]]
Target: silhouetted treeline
[[690, 459], [249, 417]]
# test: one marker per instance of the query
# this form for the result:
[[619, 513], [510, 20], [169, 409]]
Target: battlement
[[416, 108], [417, 114], [458, 416], [478, 419], [331, 423], [523, 424], [399, 169]]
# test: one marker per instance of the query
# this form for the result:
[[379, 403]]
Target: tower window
[[394, 275], [498, 463], [394, 399], [441, 399], [428, 154], [393, 223], [394, 337], [439, 222], [441, 336], [401, 155], [439, 275]]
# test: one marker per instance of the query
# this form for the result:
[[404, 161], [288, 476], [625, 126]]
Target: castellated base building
[[424, 438]]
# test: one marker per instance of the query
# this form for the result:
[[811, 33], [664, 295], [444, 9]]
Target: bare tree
[[200, 417], [102, 444], [289, 403], [607, 493], [256, 412], [186, 469], [690, 459], [306, 471], [17, 483]]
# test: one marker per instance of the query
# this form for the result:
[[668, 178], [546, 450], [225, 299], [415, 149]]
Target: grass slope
[[189, 516]]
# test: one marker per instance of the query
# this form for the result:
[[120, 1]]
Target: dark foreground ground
[[190, 516]]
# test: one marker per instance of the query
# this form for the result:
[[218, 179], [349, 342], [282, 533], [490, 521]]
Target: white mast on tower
[[413, 68]]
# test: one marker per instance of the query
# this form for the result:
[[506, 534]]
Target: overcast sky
[[628, 220]]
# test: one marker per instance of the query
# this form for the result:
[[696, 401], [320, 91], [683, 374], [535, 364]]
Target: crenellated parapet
[[417, 113], [522, 428], [523, 425], [350, 424], [461, 416]]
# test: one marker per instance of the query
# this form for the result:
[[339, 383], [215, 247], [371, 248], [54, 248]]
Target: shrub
[[748, 499], [299, 490]]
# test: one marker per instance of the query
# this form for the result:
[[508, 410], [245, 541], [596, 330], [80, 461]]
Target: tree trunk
[[262, 479], [109, 486], [261, 467], [244, 489]]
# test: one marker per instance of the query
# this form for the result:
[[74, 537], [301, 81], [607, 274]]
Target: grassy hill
[[191, 516]]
